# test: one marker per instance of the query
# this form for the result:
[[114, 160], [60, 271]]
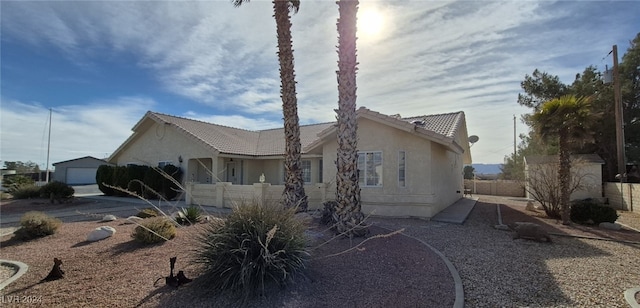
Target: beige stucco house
[[408, 166], [585, 168]]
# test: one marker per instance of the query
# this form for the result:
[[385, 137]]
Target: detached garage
[[78, 171]]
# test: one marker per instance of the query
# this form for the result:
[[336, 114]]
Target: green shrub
[[604, 214], [154, 230], [36, 224], [169, 188], [153, 180], [104, 176], [189, 215], [255, 245], [120, 180], [15, 182], [592, 211], [26, 192], [57, 190], [135, 174], [147, 213]]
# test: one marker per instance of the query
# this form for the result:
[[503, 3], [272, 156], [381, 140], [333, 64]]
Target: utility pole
[[48, 146], [622, 170], [514, 138]]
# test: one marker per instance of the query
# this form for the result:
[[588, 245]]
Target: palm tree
[[348, 216], [294, 195], [565, 118]]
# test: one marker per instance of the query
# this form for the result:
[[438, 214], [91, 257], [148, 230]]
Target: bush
[[592, 211], [169, 188], [26, 192], [36, 224], [147, 213], [255, 244], [15, 182], [104, 176], [136, 172], [189, 215], [56, 190], [154, 230]]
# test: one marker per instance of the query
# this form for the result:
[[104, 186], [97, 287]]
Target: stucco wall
[[589, 175], [431, 182], [495, 187], [161, 143]]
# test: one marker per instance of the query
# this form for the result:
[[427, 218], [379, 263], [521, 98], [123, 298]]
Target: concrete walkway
[[458, 212]]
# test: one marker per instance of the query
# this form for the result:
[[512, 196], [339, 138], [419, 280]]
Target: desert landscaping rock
[[101, 233], [108, 217], [132, 220]]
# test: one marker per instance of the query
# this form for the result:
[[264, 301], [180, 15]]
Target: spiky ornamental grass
[[255, 245]]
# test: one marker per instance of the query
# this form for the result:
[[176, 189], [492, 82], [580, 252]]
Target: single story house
[[585, 168], [78, 171], [408, 166]]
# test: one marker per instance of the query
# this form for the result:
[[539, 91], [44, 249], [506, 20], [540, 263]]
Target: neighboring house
[[586, 167], [408, 166], [79, 171]]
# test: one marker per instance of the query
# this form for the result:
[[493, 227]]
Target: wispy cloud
[[95, 129], [431, 57]]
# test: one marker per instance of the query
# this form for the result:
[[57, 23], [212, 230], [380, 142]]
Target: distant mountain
[[487, 168]]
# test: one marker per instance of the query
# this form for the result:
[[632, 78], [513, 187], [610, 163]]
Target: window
[[370, 168], [161, 164], [305, 165], [401, 169], [320, 171]]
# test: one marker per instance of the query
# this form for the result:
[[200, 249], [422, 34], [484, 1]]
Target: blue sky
[[101, 65]]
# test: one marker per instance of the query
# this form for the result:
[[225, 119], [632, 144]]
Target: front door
[[232, 174]]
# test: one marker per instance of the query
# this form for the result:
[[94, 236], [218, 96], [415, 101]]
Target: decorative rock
[[109, 218], [101, 233], [610, 226], [132, 220], [530, 206]]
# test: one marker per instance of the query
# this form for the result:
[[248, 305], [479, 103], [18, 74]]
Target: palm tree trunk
[[564, 176], [348, 208], [294, 194]]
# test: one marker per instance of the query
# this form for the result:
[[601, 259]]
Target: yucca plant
[[189, 215], [256, 244]]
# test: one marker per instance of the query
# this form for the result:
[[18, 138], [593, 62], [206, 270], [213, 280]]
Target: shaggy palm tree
[[565, 118], [348, 216], [294, 195]]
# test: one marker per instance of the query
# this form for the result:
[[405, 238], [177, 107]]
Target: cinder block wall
[[495, 188]]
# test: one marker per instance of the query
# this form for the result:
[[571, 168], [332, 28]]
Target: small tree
[[543, 185], [469, 172]]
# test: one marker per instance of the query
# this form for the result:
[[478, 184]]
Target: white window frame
[[402, 169], [364, 174], [303, 167]]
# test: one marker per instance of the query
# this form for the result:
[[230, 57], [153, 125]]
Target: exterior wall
[[163, 143], [87, 162], [432, 183], [625, 196], [496, 187], [227, 195]]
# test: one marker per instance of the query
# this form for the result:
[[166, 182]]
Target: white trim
[[404, 167], [363, 177]]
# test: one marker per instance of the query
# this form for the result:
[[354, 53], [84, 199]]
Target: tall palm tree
[[565, 118], [294, 195], [348, 216]]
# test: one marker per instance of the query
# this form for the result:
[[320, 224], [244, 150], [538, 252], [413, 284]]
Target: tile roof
[[240, 141]]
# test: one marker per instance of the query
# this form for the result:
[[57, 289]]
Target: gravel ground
[[498, 271]]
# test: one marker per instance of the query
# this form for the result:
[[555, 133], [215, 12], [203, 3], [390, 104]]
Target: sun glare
[[370, 22]]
